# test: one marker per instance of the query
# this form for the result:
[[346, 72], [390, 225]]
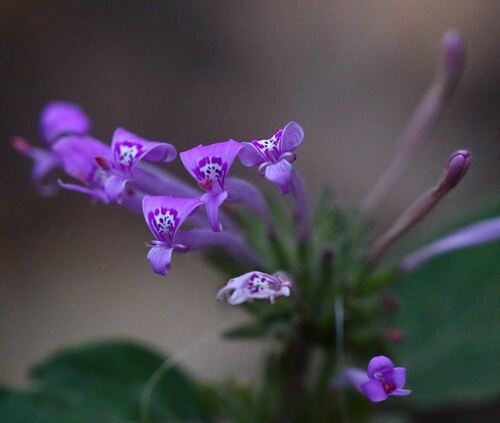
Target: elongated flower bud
[[457, 167], [425, 116]]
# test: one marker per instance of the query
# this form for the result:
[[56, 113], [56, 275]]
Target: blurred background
[[199, 72]]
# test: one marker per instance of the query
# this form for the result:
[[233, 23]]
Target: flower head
[[164, 216], [274, 155], [209, 166], [255, 285], [383, 380]]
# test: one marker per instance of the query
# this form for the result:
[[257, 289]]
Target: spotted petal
[[78, 157], [252, 285], [128, 149], [209, 164], [164, 215], [60, 118]]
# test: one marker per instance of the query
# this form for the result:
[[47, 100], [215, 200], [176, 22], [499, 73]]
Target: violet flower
[[57, 119], [164, 216], [380, 381], [128, 149], [77, 155], [209, 165], [274, 155], [255, 285]]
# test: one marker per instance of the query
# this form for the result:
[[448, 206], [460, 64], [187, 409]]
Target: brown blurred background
[[198, 72]]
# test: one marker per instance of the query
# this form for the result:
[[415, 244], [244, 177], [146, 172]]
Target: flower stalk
[[424, 119], [457, 167]]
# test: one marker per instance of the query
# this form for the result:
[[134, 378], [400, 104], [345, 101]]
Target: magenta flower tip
[[458, 165], [21, 145], [453, 52]]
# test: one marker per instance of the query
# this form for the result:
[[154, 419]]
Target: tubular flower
[[58, 119], [380, 381], [209, 166], [77, 155], [164, 216], [256, 285], [274, 156]]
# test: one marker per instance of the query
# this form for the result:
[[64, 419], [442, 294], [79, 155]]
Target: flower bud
[[453, 53], [458, 165]]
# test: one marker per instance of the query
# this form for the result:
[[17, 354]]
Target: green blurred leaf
[[451, 312], [104, 382]]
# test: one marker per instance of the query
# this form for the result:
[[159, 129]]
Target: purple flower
[[164, 216], [209, 166], [56, 120], [255, 285], [61, 118], [78, 156], [127, 150], [273, 156], [380, 381]]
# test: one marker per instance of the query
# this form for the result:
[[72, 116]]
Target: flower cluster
[[184, 217], [121, 173]]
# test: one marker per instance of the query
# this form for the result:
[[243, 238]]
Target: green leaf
[[104, 382], [451, 312]]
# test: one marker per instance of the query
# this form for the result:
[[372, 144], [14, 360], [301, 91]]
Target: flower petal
[[281, 174], [129, 148], [292, 137], [378, 364], [374, 390], [250, 156], [212, 204], [252, 285], [63, 118], [159, 258], [401, 392], [209, 164], [78, 157], [164, 215], [399, 377]]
